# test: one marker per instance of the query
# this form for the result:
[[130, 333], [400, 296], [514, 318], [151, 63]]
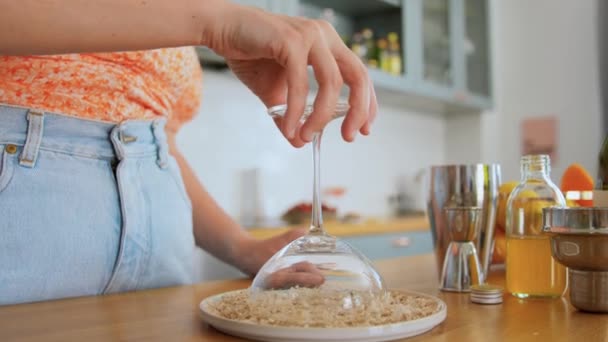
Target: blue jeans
[[88, 208]]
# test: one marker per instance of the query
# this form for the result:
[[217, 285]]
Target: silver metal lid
[[486, 294], [583, 220], [497, 300]]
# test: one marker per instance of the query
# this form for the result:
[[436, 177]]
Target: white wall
[[545, 63], [232, 133]]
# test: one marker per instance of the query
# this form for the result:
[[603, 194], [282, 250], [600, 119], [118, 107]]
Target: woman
[[95, 197]]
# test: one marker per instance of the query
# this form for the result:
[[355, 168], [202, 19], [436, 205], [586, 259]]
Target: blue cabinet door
[[393, 245]]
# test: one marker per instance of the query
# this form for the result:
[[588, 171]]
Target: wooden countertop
[[367, 227], [171, 314]]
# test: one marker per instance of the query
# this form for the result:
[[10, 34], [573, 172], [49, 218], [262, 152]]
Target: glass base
[[461, 267], [318, 261], [317, 243]]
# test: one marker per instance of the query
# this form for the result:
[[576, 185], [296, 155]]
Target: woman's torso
[[103, 201], [110, 87]]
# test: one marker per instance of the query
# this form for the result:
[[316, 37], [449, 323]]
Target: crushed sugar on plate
[[301, 314]]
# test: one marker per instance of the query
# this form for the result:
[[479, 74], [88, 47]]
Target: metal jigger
[[461, 266], [473, 185]]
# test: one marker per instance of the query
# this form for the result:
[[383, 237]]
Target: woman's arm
[[218, 233], [268, 52], [29, 27]]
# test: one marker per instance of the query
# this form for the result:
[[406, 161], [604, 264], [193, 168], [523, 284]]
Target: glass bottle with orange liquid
[[531, 270]]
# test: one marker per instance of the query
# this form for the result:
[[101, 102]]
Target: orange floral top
[[106, 86]]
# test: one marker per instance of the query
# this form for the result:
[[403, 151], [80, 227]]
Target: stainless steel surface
[[461, 266], [463, 223], [464, 186], [588, 290], [579, 241], [589, 220], [581, 252]]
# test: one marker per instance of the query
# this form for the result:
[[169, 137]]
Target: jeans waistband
[[34, 130]]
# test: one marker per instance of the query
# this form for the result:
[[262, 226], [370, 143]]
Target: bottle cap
[[486, 294]]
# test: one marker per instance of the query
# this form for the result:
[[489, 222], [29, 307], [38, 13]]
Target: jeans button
[[10, 149]]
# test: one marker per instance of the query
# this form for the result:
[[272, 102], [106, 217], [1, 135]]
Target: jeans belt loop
[[35, 128], [158, 129], [116, 139]]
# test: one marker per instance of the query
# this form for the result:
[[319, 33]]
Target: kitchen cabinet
[[477, 49], [437, 61], [445, 48]]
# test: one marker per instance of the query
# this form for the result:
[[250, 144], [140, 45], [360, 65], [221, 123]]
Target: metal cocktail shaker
[[579, 241], [464, 186]]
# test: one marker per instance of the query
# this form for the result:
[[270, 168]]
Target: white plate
[[363, 334]]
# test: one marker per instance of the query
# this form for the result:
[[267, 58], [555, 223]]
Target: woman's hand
[[270, 53], [301, 274], [250, 254]]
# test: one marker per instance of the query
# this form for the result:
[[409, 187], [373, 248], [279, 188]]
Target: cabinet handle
[[401, 242]]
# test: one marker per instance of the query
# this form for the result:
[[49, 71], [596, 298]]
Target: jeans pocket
[[7, 164]]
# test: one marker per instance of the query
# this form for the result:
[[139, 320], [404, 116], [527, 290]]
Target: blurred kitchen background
[[455, 80]]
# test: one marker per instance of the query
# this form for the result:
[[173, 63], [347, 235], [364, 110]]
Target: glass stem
[[317, 216]]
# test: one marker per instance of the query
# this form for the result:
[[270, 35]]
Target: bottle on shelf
[[329, 15], [370, 44], [384, 53], [358, 46], [384, 59], [394, 51], [531, 271]]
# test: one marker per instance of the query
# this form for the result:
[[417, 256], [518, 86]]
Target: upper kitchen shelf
[[355, 8], [431, 54]]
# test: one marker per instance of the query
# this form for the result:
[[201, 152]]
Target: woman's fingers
[[355, 76], [334, 64], [284, 280], [373, 111], [296, 141], [297, 91], [305, 266], [329, 80], [317, 43], [302, 274]]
